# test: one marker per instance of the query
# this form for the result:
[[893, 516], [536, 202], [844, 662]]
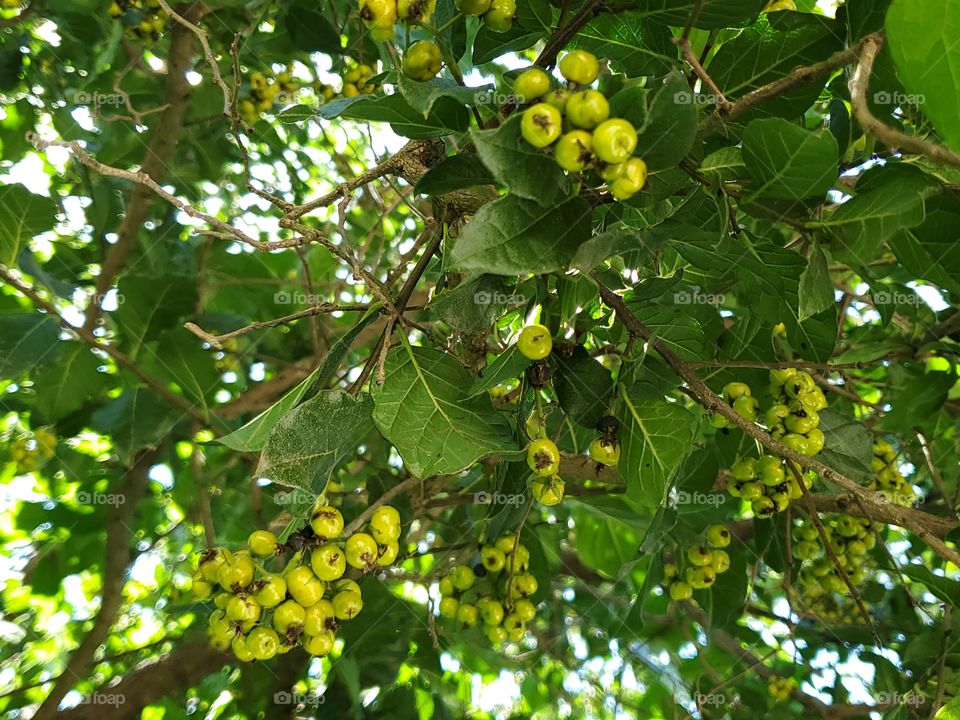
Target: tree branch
[[860, 83], [120, 524], [699, 391], [184, 667], [155, 164], [795, 78]]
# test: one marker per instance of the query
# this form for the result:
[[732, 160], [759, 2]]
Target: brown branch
[[145, 181], [120, 523], [217, 340], [400, 488], [797, 77], [860, 83], [563, 35], [184, 667], [390, 166], [156, 161], [714, 403], [724, 104]]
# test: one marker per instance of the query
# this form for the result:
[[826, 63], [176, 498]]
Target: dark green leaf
[[22, 215], [512, 236], [518, 166]]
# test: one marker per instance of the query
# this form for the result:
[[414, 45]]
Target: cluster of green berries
[[888, 481], [764, 483], [794, 419], [851, 539], [264, 92], [142, 19], [382, 16], [704, 562], [267, 605], [575, 122], [31, 452], [495, 592], [780, 688]]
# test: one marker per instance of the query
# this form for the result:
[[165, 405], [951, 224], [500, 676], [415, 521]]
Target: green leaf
[[422, 408], [655, 437], [489, 45], [787, 161], [310, 443], [22, 216], [816, 289], [670, 126], [518, 166], [944, 588], [64, 382], [447, 116], [136, 420], [848, 446], [513, 236], [253, 436], [894, 201], [25, 340], [150, 304], [615, 241], [584, 387], [509, 365], [713, 13], [609, 531], [631, 44], [923, 41], [950, 711], [475, 305], [454, 173], [310, 30], [724, 164], [770, 49], [423, 95], [931, 250], [181, 359]]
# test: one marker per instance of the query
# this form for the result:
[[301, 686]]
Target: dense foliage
[[433, 359]]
